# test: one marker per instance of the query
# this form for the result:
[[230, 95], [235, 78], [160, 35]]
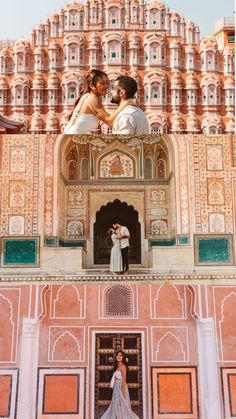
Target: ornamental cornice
[[190, 278]]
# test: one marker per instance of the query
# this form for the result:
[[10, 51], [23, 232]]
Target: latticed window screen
[[118, 301]]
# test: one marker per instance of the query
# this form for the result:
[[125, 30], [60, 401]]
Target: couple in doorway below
[[119, 260]]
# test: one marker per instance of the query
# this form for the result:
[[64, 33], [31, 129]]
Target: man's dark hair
[[128, 84]]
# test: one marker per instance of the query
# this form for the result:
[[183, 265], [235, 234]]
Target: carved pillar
[[28, 369], [209, 380]]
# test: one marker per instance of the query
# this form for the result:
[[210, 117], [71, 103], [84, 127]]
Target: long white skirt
[[116, 264], [120, 407]]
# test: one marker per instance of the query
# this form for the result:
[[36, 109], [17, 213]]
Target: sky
[[18, 17]]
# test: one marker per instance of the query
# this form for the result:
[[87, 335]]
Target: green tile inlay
[[81, 243], [20, 251], [183, 240], [154, 243], [214, 250], [50, 241]]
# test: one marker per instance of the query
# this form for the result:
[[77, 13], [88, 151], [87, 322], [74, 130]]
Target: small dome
[[229, 84], [191, 81], [53, 81], [53, 45], [192, 123], [174, 44], [38, 50], [38, 81], [189, 49], [230, 126], [3, 83], [51, 123], [176, 81], [36, 123], [174, 13]]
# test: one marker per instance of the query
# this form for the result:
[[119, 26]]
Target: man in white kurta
[[124, 236], [132, 120]]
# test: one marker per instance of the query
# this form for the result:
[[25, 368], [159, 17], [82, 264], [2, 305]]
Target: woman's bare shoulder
[[94, 101]]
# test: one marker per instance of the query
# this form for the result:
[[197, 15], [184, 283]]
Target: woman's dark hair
[[91, 79], [124, 360]]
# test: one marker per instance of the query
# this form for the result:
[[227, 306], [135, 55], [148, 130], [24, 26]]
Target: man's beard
[[115, 99]]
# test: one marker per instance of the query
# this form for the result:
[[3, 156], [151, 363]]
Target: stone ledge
[[140, 278]]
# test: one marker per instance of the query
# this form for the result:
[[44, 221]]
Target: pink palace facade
[[185, 84]]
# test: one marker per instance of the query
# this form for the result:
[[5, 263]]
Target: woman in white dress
[[120, 407], [116, 264], [88, 110]]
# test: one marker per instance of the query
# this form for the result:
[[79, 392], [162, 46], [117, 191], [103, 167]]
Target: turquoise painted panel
[[214, 250], [20, 252], [183, 240], [51, 241], [154, 243], [81, 243]]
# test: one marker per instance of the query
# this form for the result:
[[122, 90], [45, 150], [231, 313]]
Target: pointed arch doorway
[[105, 217]]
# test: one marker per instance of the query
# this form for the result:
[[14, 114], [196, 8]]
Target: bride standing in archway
[[116, 263], [120, 407]]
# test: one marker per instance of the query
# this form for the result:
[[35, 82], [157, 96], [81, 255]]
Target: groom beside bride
[[89, 111], [119, 259]]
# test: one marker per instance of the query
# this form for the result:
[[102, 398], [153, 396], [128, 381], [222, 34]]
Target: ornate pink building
[[185, 85]]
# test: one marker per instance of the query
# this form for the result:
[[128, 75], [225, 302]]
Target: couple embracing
[[119, 260], [89, 111]]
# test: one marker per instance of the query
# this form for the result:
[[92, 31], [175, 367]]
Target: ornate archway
[[126, 215]]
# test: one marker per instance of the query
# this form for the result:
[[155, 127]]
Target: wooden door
[[107, 344]]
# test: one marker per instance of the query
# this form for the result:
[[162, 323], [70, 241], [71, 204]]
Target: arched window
[[114, 17], [72, 170], [161, 169], [156, 128], [154, 19], [148, 168], [155, 94], [118, 301], [155, 53], [114, 52], [73, 19], [72, 95], [84, 170]]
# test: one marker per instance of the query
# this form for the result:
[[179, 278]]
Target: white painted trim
[[186, 353], [154, 300], [51, 346], [15, 333], [208, 370]]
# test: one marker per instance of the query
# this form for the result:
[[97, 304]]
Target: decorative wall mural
[[158, 196], [18, 159], [214, 157], [16, 224], [159, 228], [116, 164], [74, 228], [17, 194], [216, 191], [217, 223]]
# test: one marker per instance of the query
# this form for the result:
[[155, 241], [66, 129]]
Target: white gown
[[120, 407], [83, 123], [116, 264]]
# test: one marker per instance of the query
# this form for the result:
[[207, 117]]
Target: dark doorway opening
[[126, 215]]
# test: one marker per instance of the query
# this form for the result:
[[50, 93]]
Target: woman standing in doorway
[[120, 407]]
